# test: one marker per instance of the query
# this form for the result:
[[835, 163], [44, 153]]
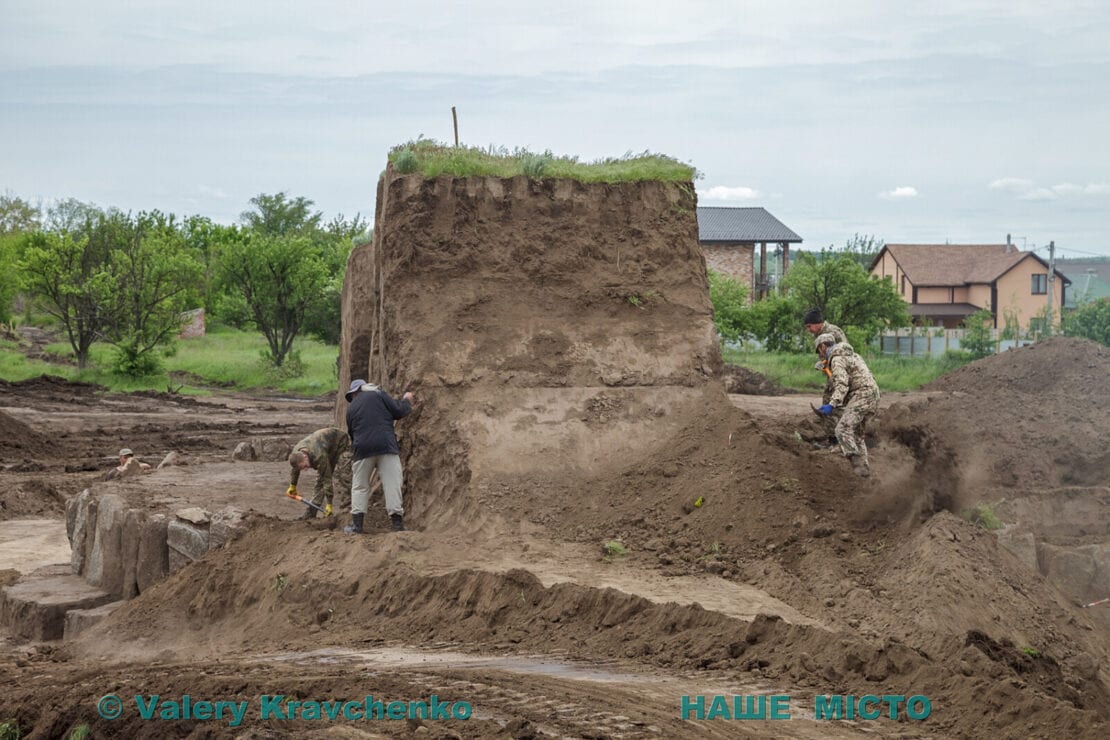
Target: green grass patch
[[223, 358], [983, 515], [793, 370], [432, 159]]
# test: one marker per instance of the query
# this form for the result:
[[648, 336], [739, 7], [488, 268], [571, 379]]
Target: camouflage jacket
[[323, 447], [851, 380], [837, 332]]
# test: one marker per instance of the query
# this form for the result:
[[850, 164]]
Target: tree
[[730, 304], [17, 216], [845, 292], [862, 249], [278, 278], [11, 245], [977, 334], [1091, 321], [157, 278], [277, 215], [69, 273]]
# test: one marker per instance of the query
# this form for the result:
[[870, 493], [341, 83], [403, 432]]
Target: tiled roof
[[954, 264], [747, 225]]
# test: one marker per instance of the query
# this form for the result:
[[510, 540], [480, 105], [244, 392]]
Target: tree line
[[126, 278]]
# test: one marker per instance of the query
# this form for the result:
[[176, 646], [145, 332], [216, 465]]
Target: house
[[728, 237], [946, 283], [1090, 280]]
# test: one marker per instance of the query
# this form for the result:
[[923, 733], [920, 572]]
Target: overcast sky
[[952, 120]]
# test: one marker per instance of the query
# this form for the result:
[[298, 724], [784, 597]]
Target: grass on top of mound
[[431, 159]]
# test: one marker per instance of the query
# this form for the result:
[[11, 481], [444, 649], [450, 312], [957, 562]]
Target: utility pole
[[1051, 282]]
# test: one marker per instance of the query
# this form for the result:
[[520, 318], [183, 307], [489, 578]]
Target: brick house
[[946, 283], [728, 237]]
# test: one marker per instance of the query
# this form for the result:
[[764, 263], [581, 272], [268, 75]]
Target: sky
[[953, 121]]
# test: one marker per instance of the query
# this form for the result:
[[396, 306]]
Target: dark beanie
[[814, 316]]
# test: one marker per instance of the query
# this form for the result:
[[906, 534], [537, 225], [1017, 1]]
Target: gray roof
[[748, 225]]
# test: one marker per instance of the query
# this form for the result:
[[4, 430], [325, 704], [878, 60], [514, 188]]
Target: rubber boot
[[355, 527], [309, 513], [398, 522]]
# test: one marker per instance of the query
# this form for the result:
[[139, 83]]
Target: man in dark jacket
[[370, 418]]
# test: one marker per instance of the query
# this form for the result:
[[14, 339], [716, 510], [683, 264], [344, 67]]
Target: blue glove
[[825, 410]]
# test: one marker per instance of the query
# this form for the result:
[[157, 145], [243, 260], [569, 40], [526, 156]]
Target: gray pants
[[389, 470]]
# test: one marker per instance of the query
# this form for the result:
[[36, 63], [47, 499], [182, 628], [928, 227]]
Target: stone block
[[90, 530], [104, 567], [272, 449], [81, 527], [1079, 572], [129, 552], [172, 459], [243, 451], [34, 608], [226, 525], [152, 561], [186, 542], [79, 620]]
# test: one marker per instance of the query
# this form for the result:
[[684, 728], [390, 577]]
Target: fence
[[923, 341]]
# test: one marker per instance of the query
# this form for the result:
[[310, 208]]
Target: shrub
[[406, 162]]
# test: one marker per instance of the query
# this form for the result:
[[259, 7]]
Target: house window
[[1040, 284]]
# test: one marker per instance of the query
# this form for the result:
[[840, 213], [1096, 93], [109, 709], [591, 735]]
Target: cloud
[[902, 192], [1024, 189], [1015, 185], [723, 192]]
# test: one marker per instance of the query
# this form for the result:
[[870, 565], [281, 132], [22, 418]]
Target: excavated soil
[[597, 528]]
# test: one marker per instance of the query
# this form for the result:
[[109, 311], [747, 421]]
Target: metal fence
[[925, 341]]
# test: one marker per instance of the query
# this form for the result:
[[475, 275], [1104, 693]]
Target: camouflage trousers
[[853, 419], [335, 483]]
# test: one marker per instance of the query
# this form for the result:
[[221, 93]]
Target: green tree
[[862, 249], [278, 215], [1091, 321], [977, 334], [17, 216], [845, 292], [278, 278], [730, 306], [157, 278], [68, 273], [11, 282]]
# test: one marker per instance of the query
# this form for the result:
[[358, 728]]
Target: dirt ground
[[597, 529], [791, 577]]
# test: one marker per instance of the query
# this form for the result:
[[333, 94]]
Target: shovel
[[819, 414], [297, 497]]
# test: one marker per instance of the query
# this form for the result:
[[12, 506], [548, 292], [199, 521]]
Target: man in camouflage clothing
[[816, 325], [852, 389], [329, 452]]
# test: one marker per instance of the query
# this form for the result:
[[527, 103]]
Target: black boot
[[309, 513], [355, 527], [398, 522]]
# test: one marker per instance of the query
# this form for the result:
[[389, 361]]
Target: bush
[[132, 361], [406, 162], [534, 165], [1090, 321]]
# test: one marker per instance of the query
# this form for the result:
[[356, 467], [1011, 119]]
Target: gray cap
[[126, 452], [824, 339]]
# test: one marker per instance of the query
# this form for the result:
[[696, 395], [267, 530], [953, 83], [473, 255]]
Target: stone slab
[[34, 607], [79, 620]]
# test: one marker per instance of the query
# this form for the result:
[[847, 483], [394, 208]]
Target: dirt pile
[[521, 312], [1027, 418]]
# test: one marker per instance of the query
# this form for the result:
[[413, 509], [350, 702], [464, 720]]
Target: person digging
[[324, 451], [854, 393], [370, 416]]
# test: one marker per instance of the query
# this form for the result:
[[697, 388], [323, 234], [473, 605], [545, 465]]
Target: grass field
[[224, 358], [892, 373]]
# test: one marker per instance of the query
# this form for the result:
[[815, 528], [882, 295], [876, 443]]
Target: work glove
[[825, 410], [292, 492], [327, 509]]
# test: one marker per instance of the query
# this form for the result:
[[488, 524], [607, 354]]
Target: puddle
[[28, 544], [418, 659]]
